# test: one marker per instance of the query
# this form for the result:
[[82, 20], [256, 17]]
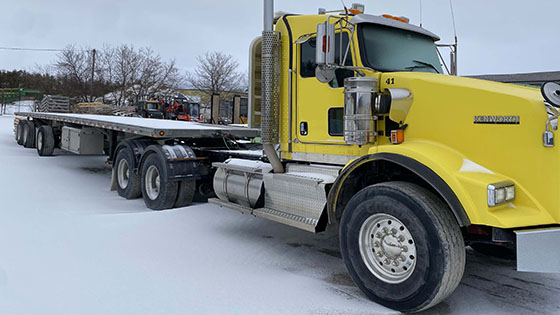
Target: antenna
[[420, 13], [345, 11], [453, 18]]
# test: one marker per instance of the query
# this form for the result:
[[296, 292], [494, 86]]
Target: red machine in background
[[182, 109]]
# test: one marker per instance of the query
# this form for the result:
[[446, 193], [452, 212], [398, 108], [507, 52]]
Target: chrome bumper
[[538, 250]]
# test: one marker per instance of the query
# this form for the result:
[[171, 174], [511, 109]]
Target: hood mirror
[[551, 93]]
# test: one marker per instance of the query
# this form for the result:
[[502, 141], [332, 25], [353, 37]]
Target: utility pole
[[92, 73]]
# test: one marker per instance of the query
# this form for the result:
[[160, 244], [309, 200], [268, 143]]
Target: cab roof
[[374, 19]]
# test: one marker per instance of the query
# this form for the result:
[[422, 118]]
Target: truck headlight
[[500, 193]]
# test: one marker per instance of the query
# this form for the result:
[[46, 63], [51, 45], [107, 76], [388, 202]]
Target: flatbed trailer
[[168, 163], [371, 138]]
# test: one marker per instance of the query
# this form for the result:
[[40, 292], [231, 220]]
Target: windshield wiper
[[425, 64]]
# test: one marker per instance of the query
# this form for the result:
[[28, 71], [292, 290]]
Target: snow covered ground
[[68, 245]]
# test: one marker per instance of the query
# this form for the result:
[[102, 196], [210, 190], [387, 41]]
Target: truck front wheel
[[402, 246], [157, 191], [128, 182]]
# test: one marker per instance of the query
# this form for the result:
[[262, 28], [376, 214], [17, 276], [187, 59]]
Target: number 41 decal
[[390, 81]]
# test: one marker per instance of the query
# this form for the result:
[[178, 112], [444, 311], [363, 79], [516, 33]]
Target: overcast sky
[[495, 36]]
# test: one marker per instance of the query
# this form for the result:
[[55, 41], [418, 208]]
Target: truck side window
[[307, 62], [335, 121]]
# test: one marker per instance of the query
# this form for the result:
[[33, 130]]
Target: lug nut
[[394, 231]]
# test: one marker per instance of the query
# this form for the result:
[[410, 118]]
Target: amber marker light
[[397, 136], [161, 133]]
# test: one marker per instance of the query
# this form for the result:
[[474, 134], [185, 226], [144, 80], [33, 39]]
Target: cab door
[[319, 106]]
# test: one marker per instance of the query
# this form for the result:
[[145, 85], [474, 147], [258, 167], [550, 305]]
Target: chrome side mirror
[[324, 52]]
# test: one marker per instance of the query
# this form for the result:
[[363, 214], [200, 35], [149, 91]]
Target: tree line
[[122, 74]]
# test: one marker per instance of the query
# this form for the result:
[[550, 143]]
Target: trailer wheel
[[186, 193], [158, 193], [128, 182], [16, 128], [29, 135], [402, 246], [45, 141], [19, 132]]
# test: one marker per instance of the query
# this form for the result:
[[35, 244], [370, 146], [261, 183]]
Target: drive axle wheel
[[402, 246], [128, 182], [158, 193], [186, 193], [45, 141]]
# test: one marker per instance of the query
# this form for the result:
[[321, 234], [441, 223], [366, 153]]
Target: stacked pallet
[[96, 108], [55, 104]]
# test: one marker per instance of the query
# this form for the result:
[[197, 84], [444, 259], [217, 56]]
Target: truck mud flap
[[537, 250]]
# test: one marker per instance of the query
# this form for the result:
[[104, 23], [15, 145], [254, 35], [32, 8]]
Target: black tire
[[19, 132], [165, 196], [29, 135], [433, 272], [16, 129], [186, 193], [128, 182], [45, 141]]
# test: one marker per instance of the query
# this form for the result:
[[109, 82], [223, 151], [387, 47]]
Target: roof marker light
[[396, 18]]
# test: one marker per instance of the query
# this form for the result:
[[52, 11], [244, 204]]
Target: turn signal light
[[500, 193], [397, 136]]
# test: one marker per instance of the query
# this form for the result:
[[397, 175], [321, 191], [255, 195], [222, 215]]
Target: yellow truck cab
[[363, 131]]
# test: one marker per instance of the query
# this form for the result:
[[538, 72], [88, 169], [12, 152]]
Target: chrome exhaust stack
[[270, 87]]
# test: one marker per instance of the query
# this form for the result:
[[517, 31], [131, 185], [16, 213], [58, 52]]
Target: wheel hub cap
[[152, 182], [123, 173], [387, 248], [40, 141]]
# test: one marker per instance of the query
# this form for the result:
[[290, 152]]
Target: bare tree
[[216, 72], [74, 65], [134, 73]]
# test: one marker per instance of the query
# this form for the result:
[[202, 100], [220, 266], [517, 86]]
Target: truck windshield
[[151, 106], [391, 49]]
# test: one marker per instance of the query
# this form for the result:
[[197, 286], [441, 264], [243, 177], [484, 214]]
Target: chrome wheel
[[123, 173], [40, 141], [25, 134], [152, 182], [387, 248]]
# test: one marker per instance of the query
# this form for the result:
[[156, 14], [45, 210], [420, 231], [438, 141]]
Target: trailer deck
[[154, 128]]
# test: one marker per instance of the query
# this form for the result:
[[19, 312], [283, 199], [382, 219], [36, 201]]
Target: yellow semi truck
[[362, 130]]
